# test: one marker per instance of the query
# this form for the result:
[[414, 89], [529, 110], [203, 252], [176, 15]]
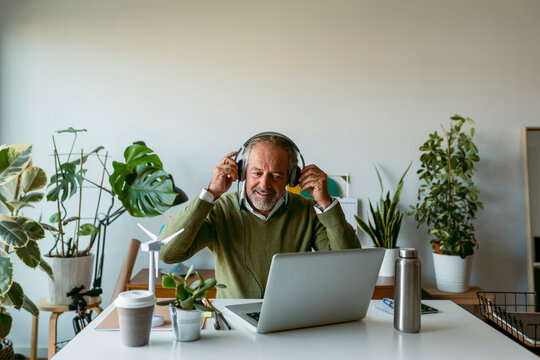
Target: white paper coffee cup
[[135, 310]]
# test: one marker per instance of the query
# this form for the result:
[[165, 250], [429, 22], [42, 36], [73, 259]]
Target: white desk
[[453, 333]]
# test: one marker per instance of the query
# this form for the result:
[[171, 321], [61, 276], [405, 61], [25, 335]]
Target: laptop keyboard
[[254, 315]]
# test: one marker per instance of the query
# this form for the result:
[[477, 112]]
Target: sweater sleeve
[[334, 232], [199, 232]]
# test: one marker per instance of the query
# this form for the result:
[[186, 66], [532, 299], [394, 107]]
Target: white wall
[[351, 82]]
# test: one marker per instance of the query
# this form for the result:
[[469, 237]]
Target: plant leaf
[[33, 178], [66, 184], [29, 306], [168, 282], [5, 323], [14, 297], [87, 229], [33, 197], [6, 272], [149, 194], [71, 130], [29, 254], [11, 233], [13, 160], [4, 201], [33, 229], [43, 265]]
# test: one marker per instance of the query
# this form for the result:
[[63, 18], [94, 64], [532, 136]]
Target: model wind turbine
[[153, 247]]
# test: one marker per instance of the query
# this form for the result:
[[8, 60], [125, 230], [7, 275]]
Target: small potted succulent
[[189, 304], [384, 229]]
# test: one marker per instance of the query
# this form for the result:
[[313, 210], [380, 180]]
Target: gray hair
[[275, 141]]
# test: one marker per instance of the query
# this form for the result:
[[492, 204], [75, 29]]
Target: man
[[245, 230]]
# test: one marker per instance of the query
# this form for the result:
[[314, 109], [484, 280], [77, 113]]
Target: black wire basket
[[514, 312]]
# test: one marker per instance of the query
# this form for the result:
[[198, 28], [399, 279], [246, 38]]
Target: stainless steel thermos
[[407, 291]]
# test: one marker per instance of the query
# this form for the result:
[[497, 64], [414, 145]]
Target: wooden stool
[[56, 311]]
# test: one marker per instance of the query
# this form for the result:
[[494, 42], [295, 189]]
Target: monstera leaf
[[141, 184], [64, 183]]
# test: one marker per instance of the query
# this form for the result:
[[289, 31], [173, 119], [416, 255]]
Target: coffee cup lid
[[135, 299]]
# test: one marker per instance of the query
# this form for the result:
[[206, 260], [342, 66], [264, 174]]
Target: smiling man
[[244, 230]]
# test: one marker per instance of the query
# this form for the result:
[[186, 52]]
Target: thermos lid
[[408, 253]]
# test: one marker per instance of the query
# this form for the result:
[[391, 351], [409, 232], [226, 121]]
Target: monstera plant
[[19, 235], [142, 186]]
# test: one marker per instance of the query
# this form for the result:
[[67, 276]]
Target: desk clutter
[[517, 313]]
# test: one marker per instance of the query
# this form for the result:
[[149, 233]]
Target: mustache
[[265, 192]]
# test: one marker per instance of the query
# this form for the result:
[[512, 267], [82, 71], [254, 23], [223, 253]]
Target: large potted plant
[[190, 302], [384, 225], [142, 186], [19, 182], [448, 202]]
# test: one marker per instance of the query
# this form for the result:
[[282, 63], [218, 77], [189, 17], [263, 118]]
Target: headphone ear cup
[[295, 177], [240, 164]]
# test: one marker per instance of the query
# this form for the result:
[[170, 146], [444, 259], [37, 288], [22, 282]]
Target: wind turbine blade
[[152, 236], [164, 241]]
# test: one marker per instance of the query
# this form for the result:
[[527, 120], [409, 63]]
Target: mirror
[[530, 142]]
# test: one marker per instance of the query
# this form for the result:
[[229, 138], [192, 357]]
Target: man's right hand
[[225, 173]]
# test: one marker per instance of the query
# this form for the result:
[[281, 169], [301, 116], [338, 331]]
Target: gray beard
[[262, 204]]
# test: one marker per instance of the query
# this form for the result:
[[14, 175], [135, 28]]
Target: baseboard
[[41, 352]]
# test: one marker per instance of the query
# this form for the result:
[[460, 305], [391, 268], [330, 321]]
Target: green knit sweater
[[293, 227]]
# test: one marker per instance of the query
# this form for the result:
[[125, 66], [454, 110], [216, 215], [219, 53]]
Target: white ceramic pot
[[452, 273], [186, 323], [388, 266], [68, 273]]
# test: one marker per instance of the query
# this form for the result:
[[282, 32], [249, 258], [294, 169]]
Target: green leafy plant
[[448, 198], [69, 179], [189, 297], [141, 184], [384, 229], [19, 182], [143, 187]]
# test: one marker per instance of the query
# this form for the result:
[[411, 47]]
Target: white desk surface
[[452, 333]]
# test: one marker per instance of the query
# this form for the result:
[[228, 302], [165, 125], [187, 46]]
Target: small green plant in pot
[[385, 223], [448, 199], [189, 304]]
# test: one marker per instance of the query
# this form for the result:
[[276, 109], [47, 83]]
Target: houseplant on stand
[[19, 181], [142, 186], [189, 304], [384, 229], [448, 202]]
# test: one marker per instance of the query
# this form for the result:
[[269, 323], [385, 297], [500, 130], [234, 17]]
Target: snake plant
[[383, 228]]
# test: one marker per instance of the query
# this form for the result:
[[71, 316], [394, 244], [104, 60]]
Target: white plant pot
[[186, 324], [388, 266], [68, 273], [452, 273]]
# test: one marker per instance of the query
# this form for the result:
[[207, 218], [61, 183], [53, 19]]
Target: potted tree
[[448, 202], [384, 225], [142, 186], [189, 304], [19, 182]]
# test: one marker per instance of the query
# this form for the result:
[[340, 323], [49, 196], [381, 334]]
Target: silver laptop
[[313, 288]]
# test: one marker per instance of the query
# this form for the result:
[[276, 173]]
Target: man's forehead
[[264, 155]]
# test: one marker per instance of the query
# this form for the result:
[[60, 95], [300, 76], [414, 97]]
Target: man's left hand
[[315, 181]]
